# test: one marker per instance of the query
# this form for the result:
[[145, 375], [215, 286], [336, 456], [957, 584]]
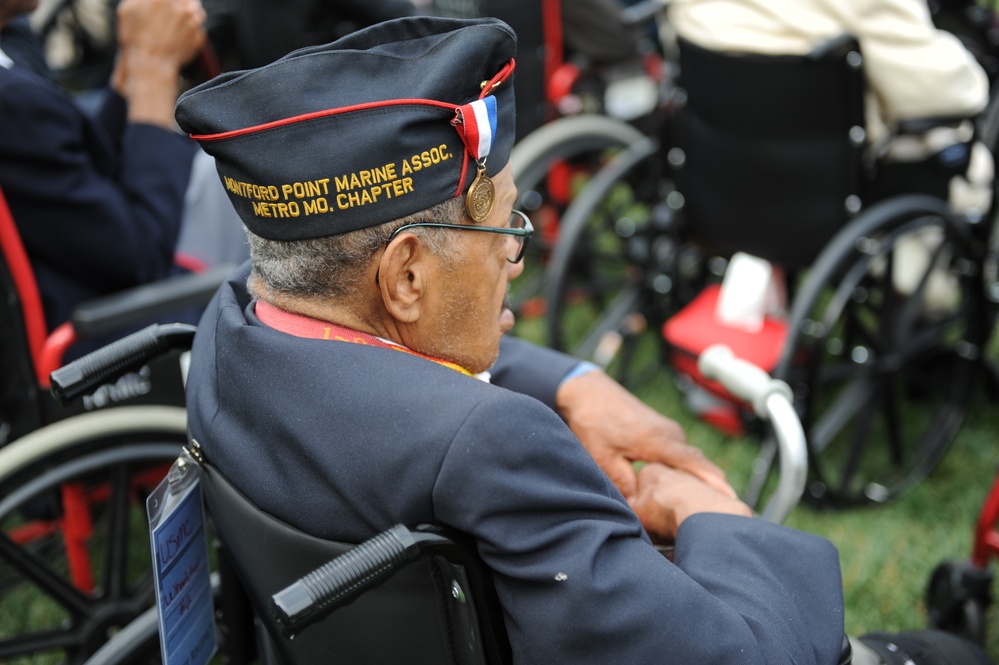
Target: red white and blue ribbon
[[477, 123]]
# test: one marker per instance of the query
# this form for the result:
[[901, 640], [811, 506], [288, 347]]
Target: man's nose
[[514, 269]]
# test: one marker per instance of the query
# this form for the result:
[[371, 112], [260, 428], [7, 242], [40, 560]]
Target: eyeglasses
[[519, 232]]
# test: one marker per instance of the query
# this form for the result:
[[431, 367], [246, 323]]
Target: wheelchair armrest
[[923, 125], [846, 653], [143, 303], [344, 578], [834, 47]]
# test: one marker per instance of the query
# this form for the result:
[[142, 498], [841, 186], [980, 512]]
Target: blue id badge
[[181, 568]]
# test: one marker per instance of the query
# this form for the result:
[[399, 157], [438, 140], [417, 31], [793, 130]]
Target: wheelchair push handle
[[741, 378], [127, 354], [772, 401]]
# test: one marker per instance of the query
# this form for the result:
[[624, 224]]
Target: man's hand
[[666, 497], [617, 429]]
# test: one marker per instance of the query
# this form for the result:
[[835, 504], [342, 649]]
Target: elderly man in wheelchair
[[342, 390], [339, 384]]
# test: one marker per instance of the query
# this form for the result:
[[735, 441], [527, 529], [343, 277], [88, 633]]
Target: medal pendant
[[481, 193]]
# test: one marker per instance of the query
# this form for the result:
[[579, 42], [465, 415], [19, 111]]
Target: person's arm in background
[[156, 38], [614, 426], [914, 69], [99, 201]]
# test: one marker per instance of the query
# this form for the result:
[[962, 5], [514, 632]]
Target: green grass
[[888, 552]]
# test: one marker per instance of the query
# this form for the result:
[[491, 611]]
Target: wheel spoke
[[116, 558], [106, 473], [53, 585], [859, 440], [893, 423], [48, 641], [851, 399], [609, 323]]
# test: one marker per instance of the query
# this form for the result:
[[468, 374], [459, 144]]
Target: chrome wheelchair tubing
[[771, 400]]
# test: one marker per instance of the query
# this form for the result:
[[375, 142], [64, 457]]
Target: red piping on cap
[[320, 114], [501, 76]]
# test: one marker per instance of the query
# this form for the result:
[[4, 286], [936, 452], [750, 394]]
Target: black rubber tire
[[113, 458]]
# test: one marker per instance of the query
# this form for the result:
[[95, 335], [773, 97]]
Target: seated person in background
[[913, 71], [101, 200], [372, 175]]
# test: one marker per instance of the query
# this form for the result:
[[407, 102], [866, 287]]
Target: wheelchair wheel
[[885, 340], [136, 643], [548, 166], [139, 641], [619, 267], [957, 596], [74, 547]]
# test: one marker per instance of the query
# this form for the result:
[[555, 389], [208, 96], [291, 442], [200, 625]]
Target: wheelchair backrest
[[22, 334], [424, 613], [772, 148]]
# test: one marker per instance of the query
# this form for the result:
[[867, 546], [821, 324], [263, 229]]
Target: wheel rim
[[112, 477], [880, 380], [548, 167], [610, 281]]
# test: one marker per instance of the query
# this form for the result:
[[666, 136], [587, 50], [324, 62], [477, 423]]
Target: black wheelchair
[[765, 155], [424, 585], [71, 474]]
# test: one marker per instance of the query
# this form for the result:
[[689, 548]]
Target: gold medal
[[481, 193]]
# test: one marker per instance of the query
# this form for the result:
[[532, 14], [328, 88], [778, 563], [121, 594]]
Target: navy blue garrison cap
[[382, 123]]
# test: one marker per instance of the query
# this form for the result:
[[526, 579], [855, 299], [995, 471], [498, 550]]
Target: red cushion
[[696, 327]]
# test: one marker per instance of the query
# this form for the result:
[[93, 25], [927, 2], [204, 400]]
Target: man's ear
[[402, 277]]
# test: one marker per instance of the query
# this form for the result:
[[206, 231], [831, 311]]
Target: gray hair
[[331, 267]]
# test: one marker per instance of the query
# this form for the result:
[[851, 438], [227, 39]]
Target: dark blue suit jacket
[[344, 440], [98, 201]]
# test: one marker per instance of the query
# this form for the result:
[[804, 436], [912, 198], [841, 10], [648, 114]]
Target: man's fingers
[[622, 474], [687, 458]]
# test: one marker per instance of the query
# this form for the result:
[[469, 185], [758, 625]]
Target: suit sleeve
[[580, 583], [531, 369], [103, 210]]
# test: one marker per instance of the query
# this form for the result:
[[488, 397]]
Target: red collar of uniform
[[307, 327]]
